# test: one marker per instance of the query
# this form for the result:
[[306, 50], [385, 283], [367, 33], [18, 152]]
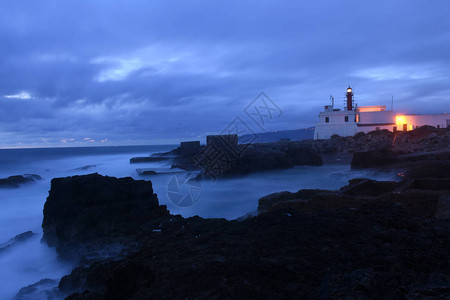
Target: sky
[[85, 73]]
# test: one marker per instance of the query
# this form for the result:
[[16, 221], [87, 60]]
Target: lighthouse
[[353, 119], [349, 96]]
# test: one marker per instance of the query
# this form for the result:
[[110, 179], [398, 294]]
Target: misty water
[[21, 208]]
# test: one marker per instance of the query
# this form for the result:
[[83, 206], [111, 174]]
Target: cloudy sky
[[95, 72]]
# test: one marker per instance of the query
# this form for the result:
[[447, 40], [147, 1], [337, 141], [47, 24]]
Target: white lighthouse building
[[353, 119]]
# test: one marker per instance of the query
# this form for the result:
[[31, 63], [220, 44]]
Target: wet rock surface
[[369, 240]]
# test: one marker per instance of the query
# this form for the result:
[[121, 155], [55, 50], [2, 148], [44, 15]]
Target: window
[[405, 127], [327, 119], [346, 118]]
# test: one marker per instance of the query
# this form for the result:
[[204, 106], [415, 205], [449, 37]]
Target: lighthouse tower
[[349, 97]]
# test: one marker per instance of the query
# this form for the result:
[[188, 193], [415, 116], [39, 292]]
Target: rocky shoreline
[[370, 239], [223, 157]]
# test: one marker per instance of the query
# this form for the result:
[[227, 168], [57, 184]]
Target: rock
[[431, 183], [280, 254], [373, 159], [43, 289], [16, 240], [357, 284], [428, 169], [81, 209], [309, 244], [256, 157], [443, 207], [84, 168], [189, 148], [146, 172], [146, 159], [266, 202], [436, 286], [16, 180], [368, 187]]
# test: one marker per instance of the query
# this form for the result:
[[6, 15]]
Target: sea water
[[21, 208]]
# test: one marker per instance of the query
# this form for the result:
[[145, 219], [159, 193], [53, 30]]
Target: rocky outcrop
[[148, 159], [405, 148], [94, 210], [266, 202], [368, 240], [223, 157], [426, 197], [217, 162], [17, 180], [20, 238], [43, 289]]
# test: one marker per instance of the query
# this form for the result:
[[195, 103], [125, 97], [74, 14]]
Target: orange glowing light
[[400, 120]]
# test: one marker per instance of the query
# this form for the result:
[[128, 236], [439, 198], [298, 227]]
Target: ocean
[[21, 208]]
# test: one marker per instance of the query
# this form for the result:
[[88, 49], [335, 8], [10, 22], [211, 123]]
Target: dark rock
[[17, 239], [146, 172], [283, 254], [80, 209], [260, 157], [443, 207], [135, 160], [84, 168], [310, 244], [373, 159], [428, 169], [222, 141], [43, 289], [189, 148], [368, 187], [266, 202], [431, 183], [16, 180]]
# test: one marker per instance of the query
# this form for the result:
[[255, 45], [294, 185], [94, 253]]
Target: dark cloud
[[157, 72]]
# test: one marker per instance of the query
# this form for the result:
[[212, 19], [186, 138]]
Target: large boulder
[[87, 208]]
